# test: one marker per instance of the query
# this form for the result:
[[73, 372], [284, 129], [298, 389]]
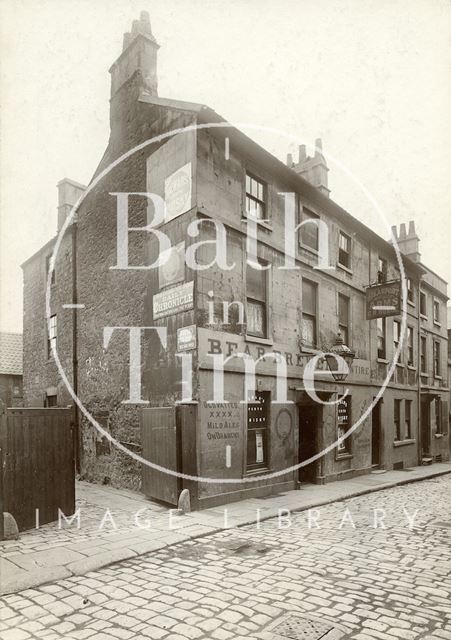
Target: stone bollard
[[184, 503], [10, 528]]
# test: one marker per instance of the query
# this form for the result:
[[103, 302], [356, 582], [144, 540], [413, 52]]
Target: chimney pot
[[402, 231], [318, 147], [412, 229], [394, 231], [302, 153], [289, 160]]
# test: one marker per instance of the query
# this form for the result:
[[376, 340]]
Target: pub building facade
[[211, 174]]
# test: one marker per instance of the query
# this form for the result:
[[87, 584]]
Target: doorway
[[425, 428], [376, 435], [308, 441]]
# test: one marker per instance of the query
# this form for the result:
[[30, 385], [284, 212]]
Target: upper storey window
[[410, 294], [436, 309], [344, 250], [309, 229], [381, 270], [255, 197]]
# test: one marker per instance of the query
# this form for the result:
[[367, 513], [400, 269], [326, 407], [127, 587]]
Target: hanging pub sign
[[174, 300], [383, 300]]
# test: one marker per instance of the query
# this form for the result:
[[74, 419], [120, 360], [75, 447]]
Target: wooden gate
[[168, 440], [38, 464]]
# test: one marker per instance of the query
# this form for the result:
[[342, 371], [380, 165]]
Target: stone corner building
[[217, 173]]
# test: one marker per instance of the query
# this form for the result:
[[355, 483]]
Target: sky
[[369, 77]]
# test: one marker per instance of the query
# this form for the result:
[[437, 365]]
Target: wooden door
[[160, 446]]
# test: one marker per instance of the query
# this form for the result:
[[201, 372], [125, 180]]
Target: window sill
[[423, 317], [309, 351], [412, 304], [403, 443], [437, 324], [424, 374], [260, 223], [254, 472], [343, 456], [311, 250], [438, 377], [411, 367], [438, 435], [400, 364], [257, 339], [347, 269], [382, 360]]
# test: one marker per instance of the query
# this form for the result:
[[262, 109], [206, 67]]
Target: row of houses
[[207, 174]]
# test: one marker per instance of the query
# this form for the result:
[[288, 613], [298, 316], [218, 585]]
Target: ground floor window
[[408, 419], [397, 419], [51, 401], [343, 424], [438, 416], [257, 430]]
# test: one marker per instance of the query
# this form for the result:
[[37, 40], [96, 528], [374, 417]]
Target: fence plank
[[38, 470]]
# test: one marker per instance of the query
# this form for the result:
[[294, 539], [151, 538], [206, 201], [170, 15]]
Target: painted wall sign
[[284, 424], [186, 338], [383, 300], [172, 271], [175, 300], [177, 192], [223, 420], [219, 342]]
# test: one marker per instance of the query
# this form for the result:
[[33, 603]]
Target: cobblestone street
[[342, 573]]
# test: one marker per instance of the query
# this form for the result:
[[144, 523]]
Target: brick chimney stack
[[139, 52], [312, 168], [408, 241]]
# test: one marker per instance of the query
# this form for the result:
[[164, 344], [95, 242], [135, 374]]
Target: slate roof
[[11, 349]]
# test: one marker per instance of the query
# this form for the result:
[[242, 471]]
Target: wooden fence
[[37, 452]]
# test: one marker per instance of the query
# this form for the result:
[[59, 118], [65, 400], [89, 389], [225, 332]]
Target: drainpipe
[[419, 434], [77, 434]]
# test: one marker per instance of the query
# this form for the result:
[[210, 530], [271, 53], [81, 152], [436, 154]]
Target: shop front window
[[343, 424], [257, 430]]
